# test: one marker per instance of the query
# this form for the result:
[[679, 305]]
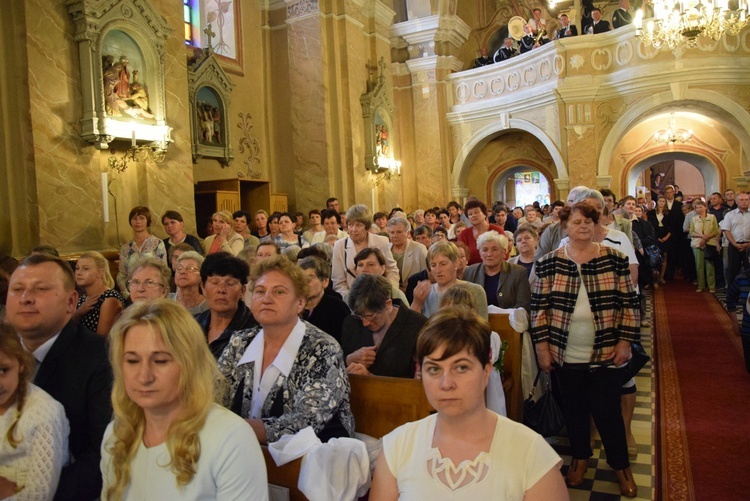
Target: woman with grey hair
[[505, 285], [187, 278], [344, 271], [324, 311], [410, 256], [442, 259], [149, 280], [379, 338]]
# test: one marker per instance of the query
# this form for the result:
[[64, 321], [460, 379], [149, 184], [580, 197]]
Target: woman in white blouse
[[169, 440], [464, 451], [33, 427]]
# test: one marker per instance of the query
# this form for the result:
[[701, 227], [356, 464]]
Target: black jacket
[[76, 373]]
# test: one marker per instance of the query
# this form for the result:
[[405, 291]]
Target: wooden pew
[[514, 396], [379, 404], [382, 404]]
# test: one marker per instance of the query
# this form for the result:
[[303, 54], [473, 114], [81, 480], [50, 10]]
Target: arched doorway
[[694, 174], [520, 185]]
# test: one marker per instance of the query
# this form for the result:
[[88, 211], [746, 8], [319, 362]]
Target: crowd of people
[[536, 32], [112, 390]]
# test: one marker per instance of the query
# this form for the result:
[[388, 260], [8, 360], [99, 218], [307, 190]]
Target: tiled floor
[[600, 484]]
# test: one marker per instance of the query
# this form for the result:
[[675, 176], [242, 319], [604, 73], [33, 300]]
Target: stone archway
[[710, 104], [482, 137]]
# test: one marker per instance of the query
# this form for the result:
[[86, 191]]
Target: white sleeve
[[338, 268], [541, 459], [45, 430], [240, 470]]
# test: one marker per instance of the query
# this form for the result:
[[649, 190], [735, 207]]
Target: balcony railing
[[606, 59]]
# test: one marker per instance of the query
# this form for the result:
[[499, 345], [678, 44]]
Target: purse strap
[[536, 381]]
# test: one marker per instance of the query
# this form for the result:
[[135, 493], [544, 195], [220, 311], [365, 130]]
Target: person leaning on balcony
[[506, 51], [598, 25], [484, 59], [566, 30], [622, 16]]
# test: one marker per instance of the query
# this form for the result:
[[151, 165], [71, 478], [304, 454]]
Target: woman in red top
[[476, 211]]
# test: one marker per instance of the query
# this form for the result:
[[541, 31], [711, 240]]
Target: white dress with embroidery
[[517, 459]]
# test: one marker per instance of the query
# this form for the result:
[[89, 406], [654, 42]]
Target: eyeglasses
[[367, 316], [188, 269], [149, 284]]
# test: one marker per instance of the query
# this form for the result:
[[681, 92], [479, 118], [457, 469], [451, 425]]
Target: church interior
[[281, 104]]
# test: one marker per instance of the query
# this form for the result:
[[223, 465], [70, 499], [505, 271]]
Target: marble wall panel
[[428, 157], [68, 170], [308, 96]]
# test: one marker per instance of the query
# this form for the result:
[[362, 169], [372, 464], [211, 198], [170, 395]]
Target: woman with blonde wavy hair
[[169, 440], [33, 427], [100, 303]]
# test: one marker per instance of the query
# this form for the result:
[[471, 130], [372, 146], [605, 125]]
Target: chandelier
[[675, 23], [672, 134]]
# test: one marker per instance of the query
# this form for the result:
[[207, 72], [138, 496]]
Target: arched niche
[[377, 114], [210, 90], [115, 40]]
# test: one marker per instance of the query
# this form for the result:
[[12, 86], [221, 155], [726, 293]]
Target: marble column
[[433, 44]]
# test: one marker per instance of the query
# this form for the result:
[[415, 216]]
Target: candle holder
[[155, 152]]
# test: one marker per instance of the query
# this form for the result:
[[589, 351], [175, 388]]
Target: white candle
[[132, 141], [105, 197]]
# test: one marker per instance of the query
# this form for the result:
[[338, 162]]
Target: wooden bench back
[[379, 404], [382, 404]]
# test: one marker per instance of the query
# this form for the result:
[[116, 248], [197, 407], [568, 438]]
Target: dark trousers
[[594, 393], [734, 262]]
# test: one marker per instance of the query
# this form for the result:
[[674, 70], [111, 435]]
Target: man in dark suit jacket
[[680, 244], [567, 29], [512, 290], [598, 25], [72, 364]]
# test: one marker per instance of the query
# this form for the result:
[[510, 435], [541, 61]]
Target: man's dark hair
[[69, 279], [45, 249], [223, 264], [329, 213], [332, 199], [378, 215], [455, 204], [426, 230]]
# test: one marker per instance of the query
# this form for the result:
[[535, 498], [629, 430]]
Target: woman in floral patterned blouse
[[143, 245], [286, 374]]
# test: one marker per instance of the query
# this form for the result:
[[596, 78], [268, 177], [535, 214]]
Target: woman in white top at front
[[464, 451], [169, 440]]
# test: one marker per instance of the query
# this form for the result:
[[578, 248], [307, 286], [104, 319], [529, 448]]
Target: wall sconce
[[155, 152], [384, 169]]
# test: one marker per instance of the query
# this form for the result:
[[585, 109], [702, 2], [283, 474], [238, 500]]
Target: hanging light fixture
[[672, 134], [681, 22]]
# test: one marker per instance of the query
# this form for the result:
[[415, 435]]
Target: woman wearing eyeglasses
[[187, 278], [149, 281], [380, 337]]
